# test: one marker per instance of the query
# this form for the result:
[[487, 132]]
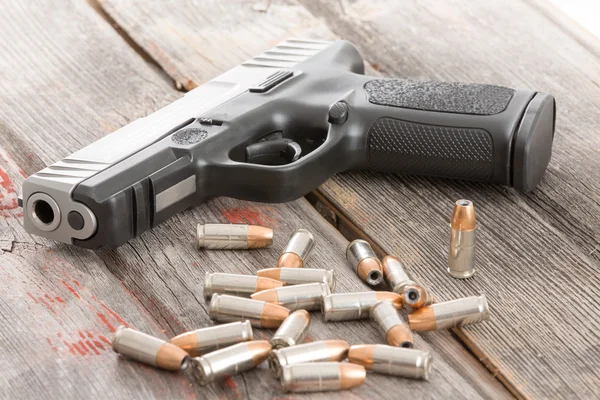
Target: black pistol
[[277, 126]]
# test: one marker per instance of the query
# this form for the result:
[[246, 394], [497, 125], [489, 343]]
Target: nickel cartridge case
[[417, 296], [299, 297], [322, 376], [236, 285], [297, 250], [393, 329], [350, 306], [324, 350], [233, 236], [224, 308], [364, 261], [461, 257], [461, 312], [395, 274], [298, 276], [230, 361], [397, 361], [292, 331], [205, 340], [149, 350]]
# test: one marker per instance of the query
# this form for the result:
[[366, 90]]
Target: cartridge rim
[[212, 307], [201, 370], [116, 337], [276, 362], [200, 235], [247, 333], [425, 364], [282, 342], [485, 308], [326, 306]]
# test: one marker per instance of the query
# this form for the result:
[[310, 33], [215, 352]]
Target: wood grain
[[538, 253], [69, 79]]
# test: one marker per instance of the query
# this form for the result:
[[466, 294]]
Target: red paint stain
[[50, 299], [104, 339], [108, 324], [8, 195], [71, 350], [44, 302], [82, 345], [98, 345], [81, 335], [32, 297], [51, 345], [230, 383], [115, 315], [196, 264], [89, 344], [308, 339], [76, 282], [233, 217], [89, 334], [59, 299], [81, 352], [23, 174], [70, 289], [59, 334]]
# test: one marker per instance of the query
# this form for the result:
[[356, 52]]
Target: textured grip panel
[[409, 148], [451, 97]]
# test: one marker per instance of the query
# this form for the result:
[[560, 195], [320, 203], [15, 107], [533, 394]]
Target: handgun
[[276, 127]]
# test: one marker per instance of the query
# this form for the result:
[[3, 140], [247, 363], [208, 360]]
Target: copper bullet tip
[[267, 283], [187, 341], [259, 349], [259, 236], [361, 354], [417, 296], [273, 316], [272, 273], [270, 296], [351, 375], [463, 216], [400, 336], [422, 320], [290, 260], [395, 298], [370, 271], [338, 349]]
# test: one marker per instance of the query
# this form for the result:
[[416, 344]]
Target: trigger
[[273, 152]]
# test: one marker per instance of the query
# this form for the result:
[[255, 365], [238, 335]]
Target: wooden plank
[[533, 249], [525, 240], [69, 79]]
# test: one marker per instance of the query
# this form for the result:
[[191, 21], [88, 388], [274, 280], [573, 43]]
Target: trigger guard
[[273, 152]]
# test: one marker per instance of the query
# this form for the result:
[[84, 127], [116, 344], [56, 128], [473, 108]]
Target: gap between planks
[[317, 200]]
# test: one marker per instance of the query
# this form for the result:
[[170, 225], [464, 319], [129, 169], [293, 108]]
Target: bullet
[[395, 274], [324, 350], [461, 257], [321, 376], [224, 308], [298, 248], [364, 262], [298, 297], [393, 329], [149, 350], [298, 276], [461, 312], [205, 340], [233, 236], [350, 306], [236, 285], [230, 361], [397, 361], [416, 296], [292, 331]]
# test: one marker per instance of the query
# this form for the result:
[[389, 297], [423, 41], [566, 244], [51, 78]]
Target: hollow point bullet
[[350, 306], [149, 349], [292, 331], [416, 296], [224, 308], [461, 312], [297, 250], [230, 361], [364, 262], [236, 285], [397, 361], [298, 297], [298, 276], [321, 376], [461, 256], [233, 236], [389, 323], [323, 350], [395, 275], [205, 340]]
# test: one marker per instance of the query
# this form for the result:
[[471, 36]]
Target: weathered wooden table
[[72, 71]]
